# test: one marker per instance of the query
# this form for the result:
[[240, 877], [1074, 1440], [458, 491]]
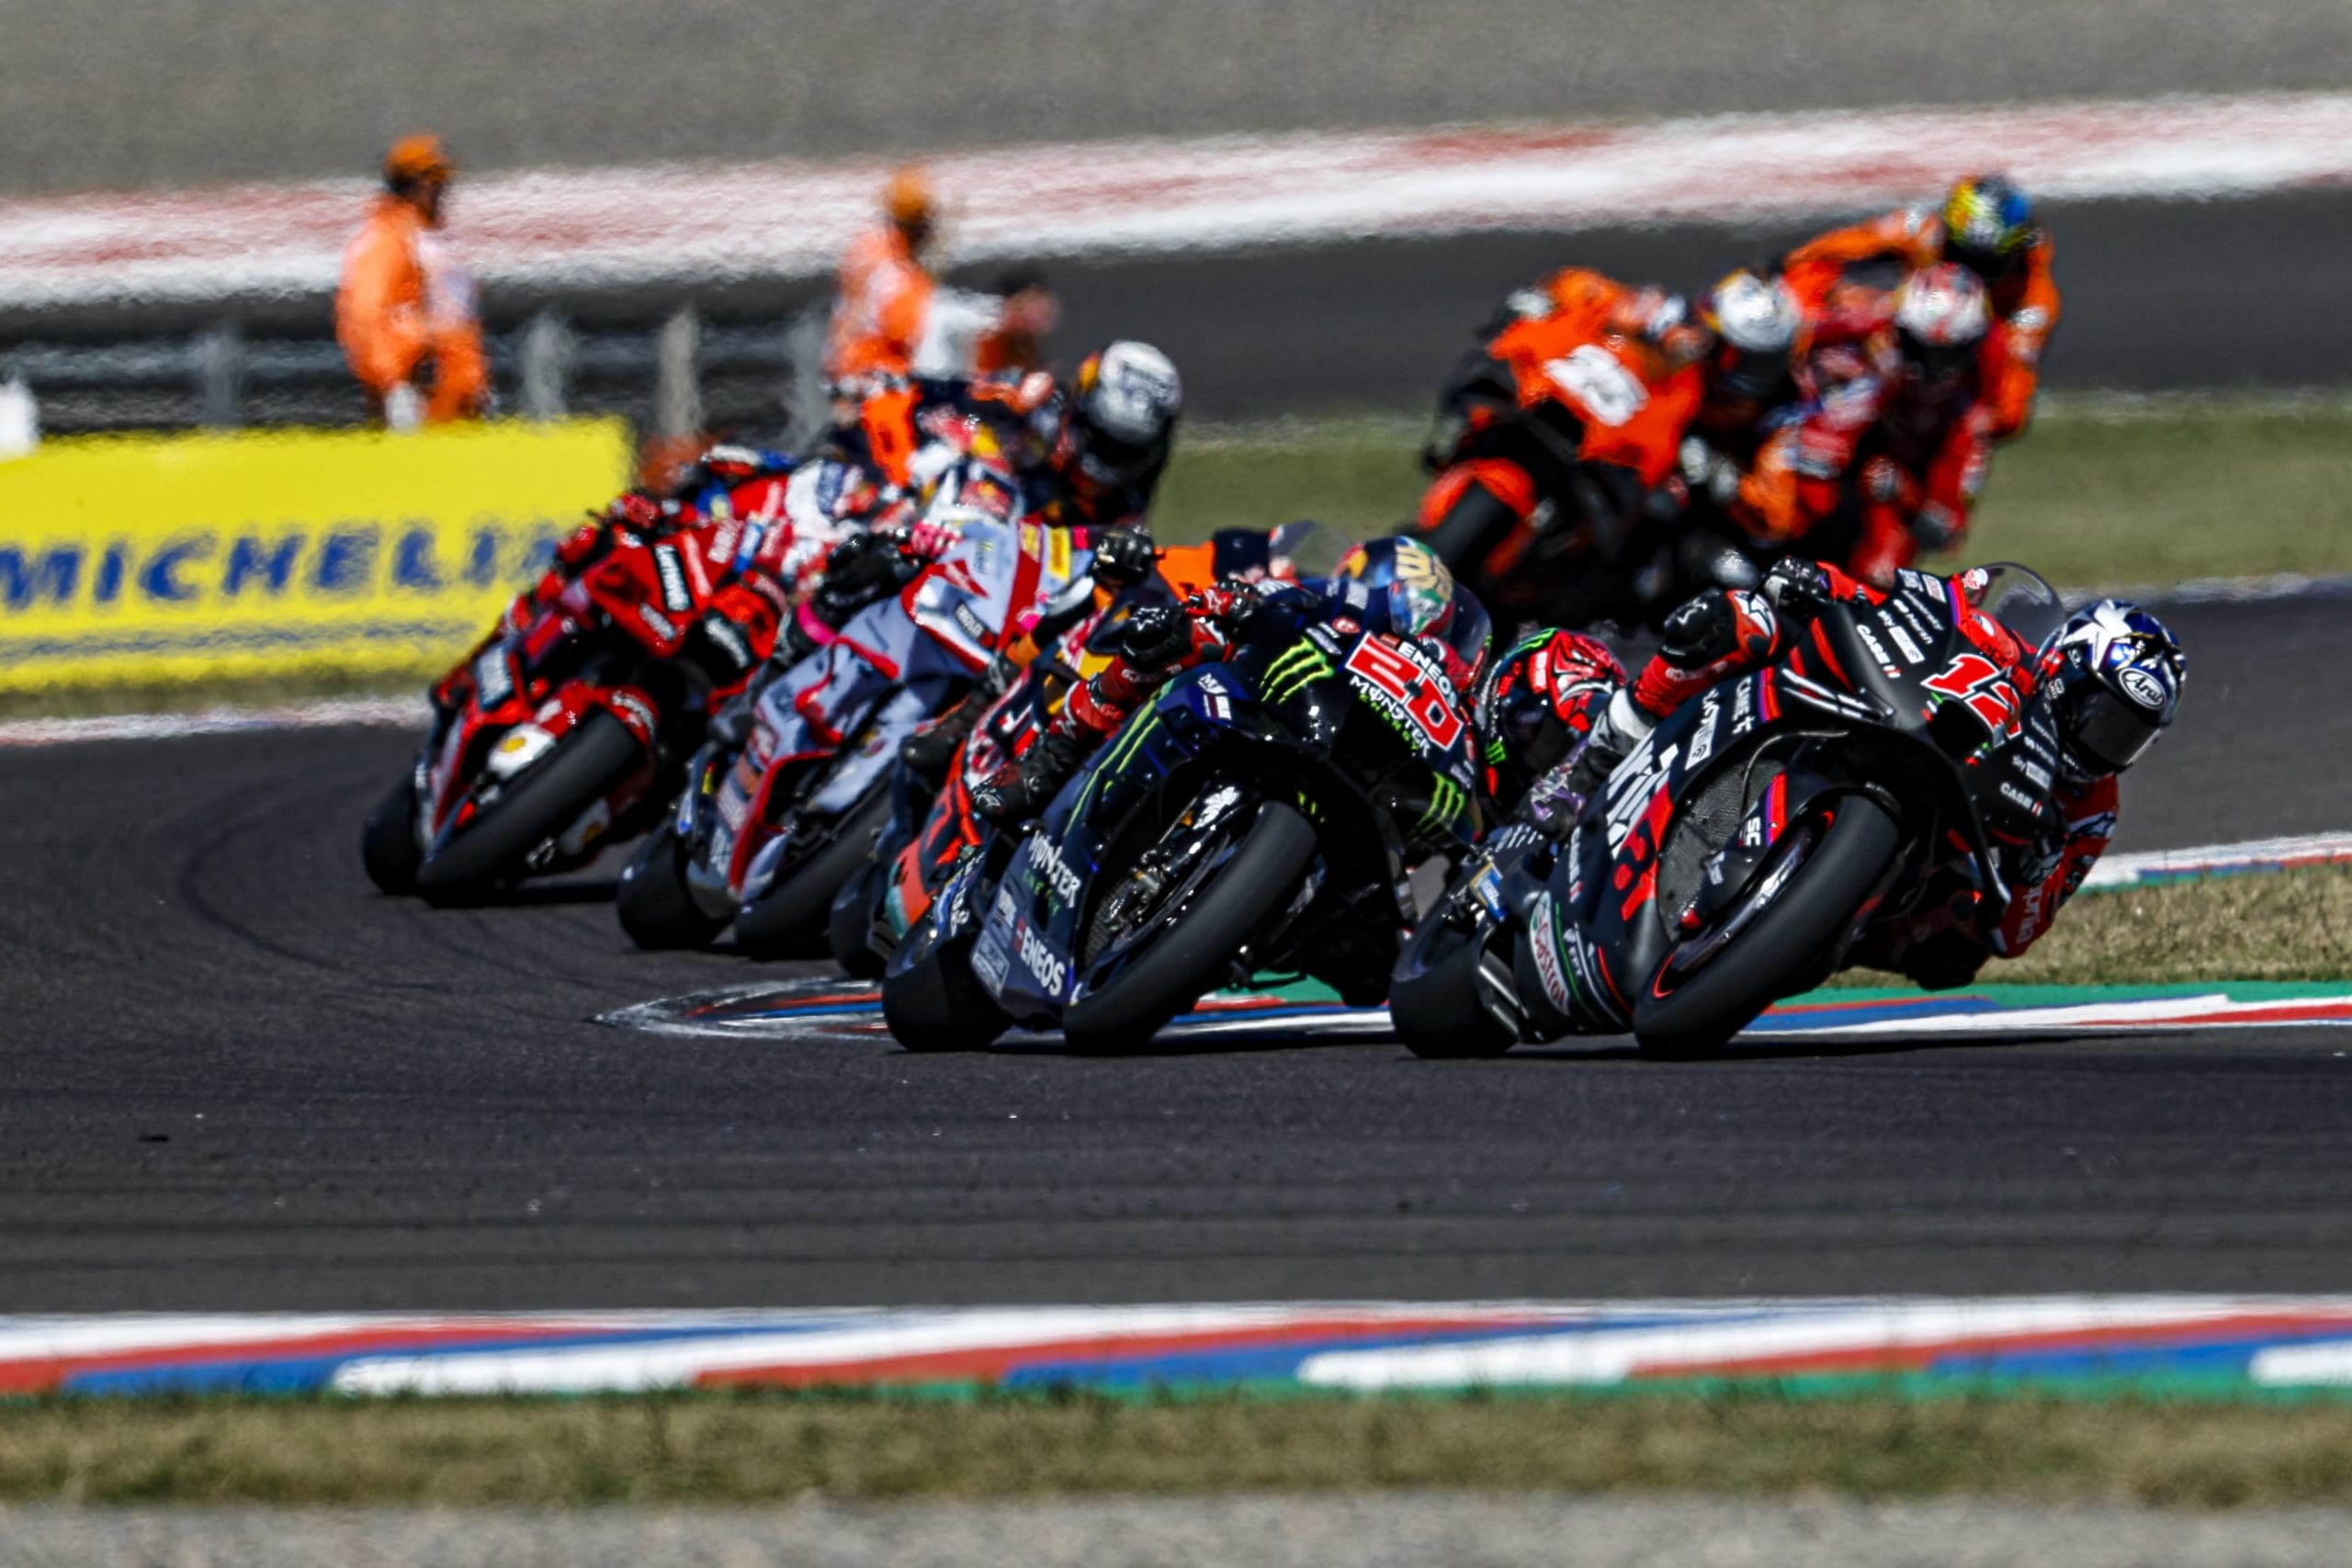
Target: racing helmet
[[1539, 699], [1941, 318], [1753, 320], [1400, 587], [2114, 674], [1988, 224], [1122, 417]]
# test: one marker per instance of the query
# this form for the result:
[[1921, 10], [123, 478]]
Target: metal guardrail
[[680, 375]]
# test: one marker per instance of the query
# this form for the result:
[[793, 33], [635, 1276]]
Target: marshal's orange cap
[[416, 159]]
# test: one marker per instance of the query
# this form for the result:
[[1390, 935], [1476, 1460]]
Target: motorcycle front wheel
[[1699, 1013], [1182, 960], [656, 907], [789, 920], [849, 924], [583, 767], [931, 998], [388, 846], [1437, 999]]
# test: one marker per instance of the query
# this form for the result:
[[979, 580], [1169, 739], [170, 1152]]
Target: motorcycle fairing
[[1297, 704]]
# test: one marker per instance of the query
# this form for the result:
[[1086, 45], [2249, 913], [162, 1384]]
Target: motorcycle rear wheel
[[1700, 1015], [790, 920], [583, 766], [1185, 959], [388, 846], [655, 906]]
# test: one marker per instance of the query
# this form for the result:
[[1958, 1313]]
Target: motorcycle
[[771, 824], [1552, 439], [1736, 855], [931, 829], [568, 734], [1260, 814]]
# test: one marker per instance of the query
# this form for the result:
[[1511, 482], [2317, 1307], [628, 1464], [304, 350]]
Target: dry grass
[[2099, 493], [2292, 925], [690, 1448]]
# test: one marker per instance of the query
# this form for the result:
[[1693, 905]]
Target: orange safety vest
[[885, 301], [405, 299]]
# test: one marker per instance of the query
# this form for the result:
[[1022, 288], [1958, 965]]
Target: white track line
[[393, 711], [790, 219]]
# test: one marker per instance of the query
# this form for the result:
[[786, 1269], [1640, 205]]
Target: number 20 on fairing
[[1391, 672]]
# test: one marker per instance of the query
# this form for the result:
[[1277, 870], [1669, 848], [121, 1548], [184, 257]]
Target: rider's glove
[[1798, 588], [1122, 557], [1936, 528], [862, 563], [928, 540], [1709, 471], [1156, 636]]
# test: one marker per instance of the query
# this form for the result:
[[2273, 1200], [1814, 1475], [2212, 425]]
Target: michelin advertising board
[[159, 559]]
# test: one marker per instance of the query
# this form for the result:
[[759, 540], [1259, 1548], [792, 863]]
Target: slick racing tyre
[[789, 920], [1184, 958], [1700, 1012], [544, 799], [1478, 522], [654, 905], [850, 922], [388, 844], [931, 998], [1438, 1000]]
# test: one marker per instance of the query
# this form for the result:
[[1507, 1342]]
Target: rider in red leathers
[[1886, 450], [2114, 675], [749, 524], [1986, 225]]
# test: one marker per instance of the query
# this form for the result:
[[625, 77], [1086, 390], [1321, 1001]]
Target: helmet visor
[[2112, 731], [1109, 461], [1750, 374]]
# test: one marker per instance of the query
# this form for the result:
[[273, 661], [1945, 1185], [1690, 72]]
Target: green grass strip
[[2209, 1452]]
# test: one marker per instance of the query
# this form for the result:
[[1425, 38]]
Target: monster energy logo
[[1122, 752], [1448, 800], [1296, 666]]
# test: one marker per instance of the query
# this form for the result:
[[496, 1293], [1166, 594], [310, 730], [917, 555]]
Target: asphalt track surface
[[235, 1078], [2160, 296]]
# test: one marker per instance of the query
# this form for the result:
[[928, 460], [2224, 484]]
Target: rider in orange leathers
[[893, 320], [1986, 225], [406, 301]]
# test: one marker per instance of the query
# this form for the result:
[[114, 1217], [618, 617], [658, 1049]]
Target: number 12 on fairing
[[1977, 682]]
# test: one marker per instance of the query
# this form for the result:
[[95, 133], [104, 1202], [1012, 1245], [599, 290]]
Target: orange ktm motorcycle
[[1549, 444]]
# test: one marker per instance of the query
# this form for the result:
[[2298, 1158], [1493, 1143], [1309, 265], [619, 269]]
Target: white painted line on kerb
[[1613, 1357], [789, 219], [393, 711]]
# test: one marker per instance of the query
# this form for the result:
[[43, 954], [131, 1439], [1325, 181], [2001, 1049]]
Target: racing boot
[[1019, 791], [929, 750], [1621, 726]]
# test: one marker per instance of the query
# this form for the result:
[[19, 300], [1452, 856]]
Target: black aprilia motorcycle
[[1734, 856]]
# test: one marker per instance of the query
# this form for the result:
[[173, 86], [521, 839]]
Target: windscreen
[[2016, 597]]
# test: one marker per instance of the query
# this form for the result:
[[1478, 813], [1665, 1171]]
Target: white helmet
[[1122, 411], [1755, 320]]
